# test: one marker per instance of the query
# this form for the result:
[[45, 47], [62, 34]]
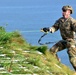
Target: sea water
[[29, 16]]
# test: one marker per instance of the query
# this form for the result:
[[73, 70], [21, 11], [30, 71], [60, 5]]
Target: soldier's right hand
[[45, 29]]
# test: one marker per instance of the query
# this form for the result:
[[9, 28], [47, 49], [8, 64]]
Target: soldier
[[67, 26]]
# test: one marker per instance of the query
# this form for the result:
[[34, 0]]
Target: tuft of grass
[[42, 49]]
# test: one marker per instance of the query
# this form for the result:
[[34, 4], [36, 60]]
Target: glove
[[45, 29]]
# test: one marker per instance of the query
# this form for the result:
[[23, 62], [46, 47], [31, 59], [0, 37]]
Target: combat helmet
[[67, 7]]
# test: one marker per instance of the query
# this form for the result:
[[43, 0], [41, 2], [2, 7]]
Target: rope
[[30, 31], [39, 41]]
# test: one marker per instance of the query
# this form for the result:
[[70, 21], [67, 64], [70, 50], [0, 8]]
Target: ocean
[[29, 16]]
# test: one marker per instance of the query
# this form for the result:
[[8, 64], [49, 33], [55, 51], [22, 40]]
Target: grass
[[17, 56]]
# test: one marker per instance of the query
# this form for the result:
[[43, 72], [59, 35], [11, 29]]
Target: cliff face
[[19, 57]]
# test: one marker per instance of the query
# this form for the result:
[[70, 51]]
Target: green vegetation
[[17, 56]]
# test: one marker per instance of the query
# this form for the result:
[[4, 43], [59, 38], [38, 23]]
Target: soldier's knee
[[70, 43]]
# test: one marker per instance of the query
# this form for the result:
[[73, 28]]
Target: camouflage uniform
[[67, 29]]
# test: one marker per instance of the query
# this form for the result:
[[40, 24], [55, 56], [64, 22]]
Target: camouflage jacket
[[67, 27]]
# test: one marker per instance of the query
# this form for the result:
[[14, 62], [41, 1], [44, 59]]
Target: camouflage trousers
[[70, 45]]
